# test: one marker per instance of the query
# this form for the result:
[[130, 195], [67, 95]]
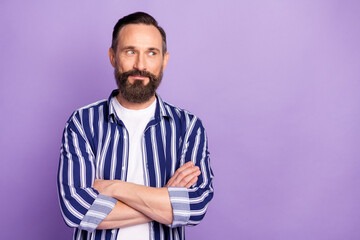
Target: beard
[[137, 92]]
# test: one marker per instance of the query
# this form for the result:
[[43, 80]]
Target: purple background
[[276, 84]]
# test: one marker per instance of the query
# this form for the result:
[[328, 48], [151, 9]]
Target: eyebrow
[[154, 49], [129, 47], [133, 48]]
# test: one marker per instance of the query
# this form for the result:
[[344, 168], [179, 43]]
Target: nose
[[140, 63]]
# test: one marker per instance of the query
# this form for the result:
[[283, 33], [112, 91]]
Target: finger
[[183, 167], [175, 179], [168, 184], [172, 180], [96, 181], [183, 175], [96, 184], [179, 170], [186, 174], [184, 182], [192, 182]]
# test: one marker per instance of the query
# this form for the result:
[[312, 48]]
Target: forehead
[[140, 35]]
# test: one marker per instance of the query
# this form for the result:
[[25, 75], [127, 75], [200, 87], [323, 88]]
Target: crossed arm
[[83, 207], [140, 204]]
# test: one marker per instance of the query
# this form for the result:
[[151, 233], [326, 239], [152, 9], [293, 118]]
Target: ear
[[165, 61], [112, 57]]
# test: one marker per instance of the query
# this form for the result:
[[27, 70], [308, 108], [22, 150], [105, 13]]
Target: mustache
[[137, 72]]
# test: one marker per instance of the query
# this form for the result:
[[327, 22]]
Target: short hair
[[137, 18]]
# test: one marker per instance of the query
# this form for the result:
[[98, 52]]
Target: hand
[[103, 186], [185, 176]]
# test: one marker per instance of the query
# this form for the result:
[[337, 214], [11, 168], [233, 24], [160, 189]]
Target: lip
[[139, 77]]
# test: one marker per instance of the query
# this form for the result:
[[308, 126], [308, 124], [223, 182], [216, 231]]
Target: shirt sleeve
[[190, 205], [81, 205]]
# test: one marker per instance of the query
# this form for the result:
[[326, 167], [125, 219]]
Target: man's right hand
[[185, 176]]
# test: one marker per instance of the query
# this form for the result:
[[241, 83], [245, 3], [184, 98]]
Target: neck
[[134, 106]]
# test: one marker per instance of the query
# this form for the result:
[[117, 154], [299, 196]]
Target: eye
[[130, 52], [152, 53]]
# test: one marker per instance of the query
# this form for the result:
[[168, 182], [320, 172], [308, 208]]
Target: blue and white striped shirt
[[95, 146]]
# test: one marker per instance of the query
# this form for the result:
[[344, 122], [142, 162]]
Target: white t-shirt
[[135, 122]]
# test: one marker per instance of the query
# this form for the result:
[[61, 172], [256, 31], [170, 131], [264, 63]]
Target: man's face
[[138, 62]]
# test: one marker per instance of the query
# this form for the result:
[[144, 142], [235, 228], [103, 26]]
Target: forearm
[[123, 216], [152, 202], [155, 203]]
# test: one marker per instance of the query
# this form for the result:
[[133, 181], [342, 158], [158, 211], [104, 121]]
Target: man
[[133, 166]]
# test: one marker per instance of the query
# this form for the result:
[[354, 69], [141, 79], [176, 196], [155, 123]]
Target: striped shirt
[[95, 145]]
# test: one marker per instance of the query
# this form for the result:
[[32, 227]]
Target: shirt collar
[[161, 110]]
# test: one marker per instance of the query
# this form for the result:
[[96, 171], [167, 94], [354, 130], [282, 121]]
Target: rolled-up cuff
[[98, 211], [179, 198]]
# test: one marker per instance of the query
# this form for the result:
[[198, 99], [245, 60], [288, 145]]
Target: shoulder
[[92, 110], [183, 117]]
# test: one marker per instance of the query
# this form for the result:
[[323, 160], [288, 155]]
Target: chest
[[159, 145]]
